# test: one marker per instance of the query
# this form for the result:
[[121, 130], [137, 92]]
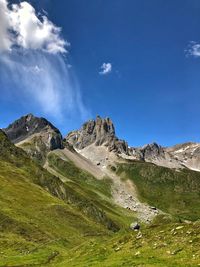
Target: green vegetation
[[40, 216], [36, 149], [171, 245], [175, 192], [69, 170], [95, 191], [45, 222]]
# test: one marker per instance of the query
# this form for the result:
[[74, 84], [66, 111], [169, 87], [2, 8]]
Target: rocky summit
[[147, 152], [35, 135], [98, 132]]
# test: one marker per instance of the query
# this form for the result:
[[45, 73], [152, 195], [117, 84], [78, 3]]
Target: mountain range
[[75, 200], [38, 136]]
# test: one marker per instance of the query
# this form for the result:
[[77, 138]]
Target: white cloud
[[20, 26], [33, 70], [106, 68], [5, 38], [193, 49]]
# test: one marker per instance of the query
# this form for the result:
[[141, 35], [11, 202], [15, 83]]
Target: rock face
[[151, 151], [36, 136], [187, 154], [98, 132], [29, 125]]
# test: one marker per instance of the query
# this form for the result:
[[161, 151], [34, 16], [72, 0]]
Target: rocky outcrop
[[187, 154], [149, 152], [152, 151], [36, 136], [29, 125], [98, 132]]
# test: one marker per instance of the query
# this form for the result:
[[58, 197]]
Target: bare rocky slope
[[35, 135]]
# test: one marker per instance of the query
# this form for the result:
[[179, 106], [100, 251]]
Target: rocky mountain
[[97, 141], [97, 138], [187, 154], [99, 132], [148, 152], [35, 135]]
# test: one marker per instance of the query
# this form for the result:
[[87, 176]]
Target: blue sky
[[151, 90]]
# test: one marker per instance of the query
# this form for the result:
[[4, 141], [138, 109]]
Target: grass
[[96, 191], [45, 222], [40, 216], [175, 192], [68, 169], [168, 245]]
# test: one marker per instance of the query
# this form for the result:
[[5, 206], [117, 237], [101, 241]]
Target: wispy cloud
[[31, 55], [105, 68], [193, 49]]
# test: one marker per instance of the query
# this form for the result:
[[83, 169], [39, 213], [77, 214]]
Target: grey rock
[[148, 152], [28, 125], [98, 132], [152, 151], [36, 136], [135, 226]]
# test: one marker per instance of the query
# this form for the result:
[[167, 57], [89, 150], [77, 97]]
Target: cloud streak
[[31, 58]]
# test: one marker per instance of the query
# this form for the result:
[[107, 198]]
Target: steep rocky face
[[28, 125], [178, 156], [149, 152], [98, 132], [36, 136], [152, 151], [188, 154]]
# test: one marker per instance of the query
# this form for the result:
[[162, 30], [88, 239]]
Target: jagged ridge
[[99, 132]]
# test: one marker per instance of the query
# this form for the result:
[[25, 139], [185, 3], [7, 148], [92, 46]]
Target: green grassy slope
[[69, 170], [96, 191], [168, 245], [41, 217], [32, 221], [45, 222], [175, 192]]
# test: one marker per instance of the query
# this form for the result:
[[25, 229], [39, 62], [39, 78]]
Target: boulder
[[135, 226]]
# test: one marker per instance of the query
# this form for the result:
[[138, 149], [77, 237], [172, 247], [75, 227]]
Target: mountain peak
[[26, 126], [36, 135], [100, 131]]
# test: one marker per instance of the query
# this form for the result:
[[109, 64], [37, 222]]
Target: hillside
[[39, 214], [73, 206], [176, 192]]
